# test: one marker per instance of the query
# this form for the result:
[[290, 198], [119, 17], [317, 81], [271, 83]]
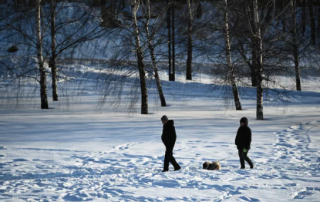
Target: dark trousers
[[244, 157], [169, 158]]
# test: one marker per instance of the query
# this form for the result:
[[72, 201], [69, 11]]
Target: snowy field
[[81, 154]]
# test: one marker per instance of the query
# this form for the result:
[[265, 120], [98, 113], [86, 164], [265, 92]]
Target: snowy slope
[[81, 154]]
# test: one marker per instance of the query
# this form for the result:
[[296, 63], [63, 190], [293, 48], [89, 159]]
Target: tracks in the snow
[[121, 173], [295, 160]]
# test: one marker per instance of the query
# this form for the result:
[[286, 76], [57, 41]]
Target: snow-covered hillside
[[81, 154]]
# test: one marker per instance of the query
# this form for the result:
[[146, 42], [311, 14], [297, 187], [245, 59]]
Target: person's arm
[[164, 137], [248, 138], [236, 140], [173, 134]]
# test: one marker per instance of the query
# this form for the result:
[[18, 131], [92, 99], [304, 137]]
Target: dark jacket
[[243, 138], [169, 134]]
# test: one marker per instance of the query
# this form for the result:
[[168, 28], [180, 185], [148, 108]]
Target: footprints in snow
[[305, 192], [17, 160], [85, 176], [293, 155], [88, 176], [292, 144]]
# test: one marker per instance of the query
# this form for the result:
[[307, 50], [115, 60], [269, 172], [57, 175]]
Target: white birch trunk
[[228, 57], [143, 83], [43, 86], [153, 58], [259, 68], [53, 62]]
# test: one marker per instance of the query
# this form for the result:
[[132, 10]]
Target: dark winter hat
[[244, 120], [164, 118]]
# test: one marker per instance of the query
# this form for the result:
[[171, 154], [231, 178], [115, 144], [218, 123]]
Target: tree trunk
[[304, 20], [169, 39], [228, 57], [283, 25], [53, 58], [297, 71], [153, 58], [259, 68], [43, 86], [253, 67], [173, 45], [189, 56], [318, 13], [15, 2], [313, 22], [295, 44], [143, 83]]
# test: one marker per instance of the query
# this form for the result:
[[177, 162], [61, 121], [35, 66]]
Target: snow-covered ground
[[81, 154]]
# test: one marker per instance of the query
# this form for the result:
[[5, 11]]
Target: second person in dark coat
[[169, 139], [243, 142]]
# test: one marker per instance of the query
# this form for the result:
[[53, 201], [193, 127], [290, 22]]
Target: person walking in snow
[[169, 139], [243, 141]]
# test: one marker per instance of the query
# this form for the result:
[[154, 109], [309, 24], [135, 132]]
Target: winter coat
[[169, 134], [243, 138]]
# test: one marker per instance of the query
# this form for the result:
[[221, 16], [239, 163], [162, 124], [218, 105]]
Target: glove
[[245, 150]]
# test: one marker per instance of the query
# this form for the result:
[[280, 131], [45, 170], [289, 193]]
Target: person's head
[[244, 121], [205, 165], [164, 119]]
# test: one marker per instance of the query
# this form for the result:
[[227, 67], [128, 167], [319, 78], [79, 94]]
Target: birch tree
[[52, 62], [189, 54], [152, 54], [257, 46], [139, 53], [173, 46], [228, 56], [171, 39], [43, 85], [295, 47]]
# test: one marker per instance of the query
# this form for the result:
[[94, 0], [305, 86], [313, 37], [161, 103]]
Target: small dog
[[215, 165]]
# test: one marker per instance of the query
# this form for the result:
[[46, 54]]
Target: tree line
[[243, 39]]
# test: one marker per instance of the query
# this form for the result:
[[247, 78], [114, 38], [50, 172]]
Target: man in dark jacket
[[169, 139], [243, 141]]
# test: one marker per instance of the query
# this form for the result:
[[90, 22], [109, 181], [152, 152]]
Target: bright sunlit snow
[[79, 153]]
